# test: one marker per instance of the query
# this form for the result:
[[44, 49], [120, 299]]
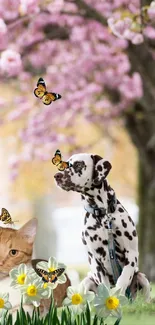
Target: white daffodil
[[108, 302], [51, 266], [4, 303], [18, 276], [33, 291], [77, 298]]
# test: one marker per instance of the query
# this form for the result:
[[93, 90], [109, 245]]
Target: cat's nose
[[1, 263]]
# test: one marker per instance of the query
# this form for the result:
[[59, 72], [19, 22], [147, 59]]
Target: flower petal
[[67, 301], [89, 296], [52, 263], [102, 312], [62, 279], [103, 291], [8, 305], [123, 300], [43, 265]]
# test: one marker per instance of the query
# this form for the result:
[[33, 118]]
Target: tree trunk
[[146, 228], [142, 135]]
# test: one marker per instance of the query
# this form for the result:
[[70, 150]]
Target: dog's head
[[85, 171]]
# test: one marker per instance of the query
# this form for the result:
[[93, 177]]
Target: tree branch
[[89, 12]]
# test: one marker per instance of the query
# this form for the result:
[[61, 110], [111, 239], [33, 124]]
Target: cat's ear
[[29, 230]]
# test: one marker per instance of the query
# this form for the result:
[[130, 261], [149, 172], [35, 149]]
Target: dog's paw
[[89, 284]]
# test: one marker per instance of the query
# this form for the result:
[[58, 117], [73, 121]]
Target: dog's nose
[[58, 176]]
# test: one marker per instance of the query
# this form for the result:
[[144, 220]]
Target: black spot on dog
[[111, 280], [132, 264], [99, 198], [86, 217], [126, 233], [86, 233], [89, 259], [99, 167], [131, 220], [82, 197], [120, 210], [105, 242], [116, 242], [134, 233], [126, 261], [95, 237], [118, 250], [136, 259], [90, 254], [101, 251], [92, 228], [124, 224], [118, 233], [83, 239]]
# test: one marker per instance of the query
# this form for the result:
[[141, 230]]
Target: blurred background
[[107, 108]]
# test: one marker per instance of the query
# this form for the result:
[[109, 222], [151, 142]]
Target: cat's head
[[16, 246]]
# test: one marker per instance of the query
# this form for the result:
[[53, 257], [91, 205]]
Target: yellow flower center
[[45, 285], [1, 303], [112, 302], [32, 290], [51, 269], [21, 278], [77, 299]]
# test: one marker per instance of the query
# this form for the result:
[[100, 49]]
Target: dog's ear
[[101, 169]]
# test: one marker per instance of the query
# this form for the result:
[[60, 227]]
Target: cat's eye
[[13, 252]]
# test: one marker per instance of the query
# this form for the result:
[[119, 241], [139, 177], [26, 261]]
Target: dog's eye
[[78, 165]]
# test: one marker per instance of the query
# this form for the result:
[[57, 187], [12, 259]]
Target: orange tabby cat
[[16, 247]]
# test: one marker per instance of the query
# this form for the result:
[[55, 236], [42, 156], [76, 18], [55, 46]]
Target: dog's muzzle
[[58, 177]]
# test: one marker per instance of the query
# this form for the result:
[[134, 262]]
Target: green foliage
[[54, 317]]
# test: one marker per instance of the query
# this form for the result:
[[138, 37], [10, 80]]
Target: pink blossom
[[3, 27], [10, 63], [149, 32], [28, 7], [131, 87], [9, 9], [151, 11], [119, 27], [3, 34]]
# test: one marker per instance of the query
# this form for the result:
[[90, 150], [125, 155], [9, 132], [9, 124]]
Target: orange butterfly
[[42, 93], [5, 217], [57, 161]]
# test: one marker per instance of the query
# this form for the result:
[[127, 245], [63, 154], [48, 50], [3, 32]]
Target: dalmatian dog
[[87, 174]]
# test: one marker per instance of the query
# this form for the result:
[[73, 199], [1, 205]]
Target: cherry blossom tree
[[99, 55]]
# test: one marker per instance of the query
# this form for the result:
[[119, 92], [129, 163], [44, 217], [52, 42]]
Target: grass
[[136, 313]]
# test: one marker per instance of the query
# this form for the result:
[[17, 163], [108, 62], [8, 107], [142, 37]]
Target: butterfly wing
[[44, 274], [5, 216], [56, 96], [48, 98], [53, 276], [63, 165], [57, 158], [41, 88]]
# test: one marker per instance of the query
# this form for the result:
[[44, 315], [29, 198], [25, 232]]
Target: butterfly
[[5, 217], [42, 93], [50, 276], [57, 160]]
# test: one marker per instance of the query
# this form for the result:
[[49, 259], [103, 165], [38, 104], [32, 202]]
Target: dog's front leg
[[128, 271], [89, 284]]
